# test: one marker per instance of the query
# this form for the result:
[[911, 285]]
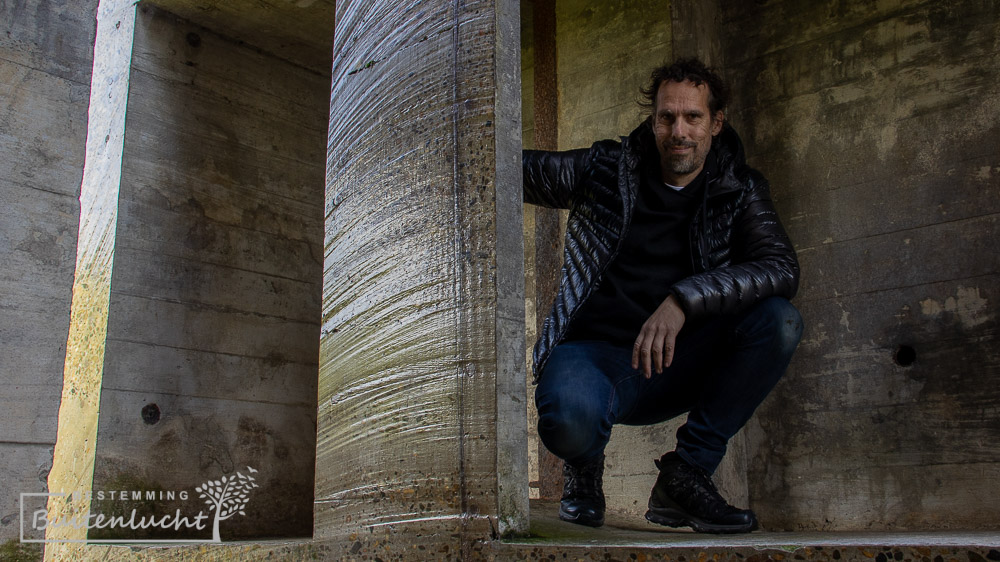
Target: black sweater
[[654, 255]]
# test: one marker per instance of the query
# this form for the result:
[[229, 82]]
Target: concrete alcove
[[215, 293], [213, 255], [846, 440], [566, 105]]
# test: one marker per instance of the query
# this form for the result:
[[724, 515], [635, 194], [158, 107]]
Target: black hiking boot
[[684, 496], [583, 493]]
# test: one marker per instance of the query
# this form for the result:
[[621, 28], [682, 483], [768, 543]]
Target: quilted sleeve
[[551, 178], [763, 262]]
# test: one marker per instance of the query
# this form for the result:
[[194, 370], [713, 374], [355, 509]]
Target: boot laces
[[695, 490], [584, 481]]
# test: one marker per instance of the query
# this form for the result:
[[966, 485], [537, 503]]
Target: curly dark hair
[[687, 69]]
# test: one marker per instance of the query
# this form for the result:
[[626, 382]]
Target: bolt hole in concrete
[[905, 356], [150, 414]]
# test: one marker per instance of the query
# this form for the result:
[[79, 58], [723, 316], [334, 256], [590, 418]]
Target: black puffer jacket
[[740, 251]]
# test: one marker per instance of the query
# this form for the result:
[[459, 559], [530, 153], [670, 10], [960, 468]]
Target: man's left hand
[[654, 348]]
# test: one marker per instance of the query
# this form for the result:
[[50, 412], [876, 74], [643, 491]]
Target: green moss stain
[[142, 507], [13, 551]]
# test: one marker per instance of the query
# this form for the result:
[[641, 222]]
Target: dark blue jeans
[[723, 368]]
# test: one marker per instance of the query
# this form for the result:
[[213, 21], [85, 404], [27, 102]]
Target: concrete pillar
[[421, 393], [545, 238]]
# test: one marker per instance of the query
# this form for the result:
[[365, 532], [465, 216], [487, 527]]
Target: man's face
[[684, 128]]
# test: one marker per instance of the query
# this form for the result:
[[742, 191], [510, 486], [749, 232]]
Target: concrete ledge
[[666, 546], [623, 538], [629, 538], [291, 550], [929, 553]]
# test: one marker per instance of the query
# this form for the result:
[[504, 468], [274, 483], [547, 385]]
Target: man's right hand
[[654, 348]]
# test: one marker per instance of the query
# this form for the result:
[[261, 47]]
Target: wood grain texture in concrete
[[417, 284]]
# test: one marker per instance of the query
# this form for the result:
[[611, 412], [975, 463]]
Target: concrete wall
[[605, 52], [212, 346], [420, 448], [45, 65], [878, 125]]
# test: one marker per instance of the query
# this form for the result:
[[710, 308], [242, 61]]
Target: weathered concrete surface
[[878, 125], [45, 66], [695, 30], [627, 538], [771, 548], [605, 51], [213, 333], [534, 451], [946, 317], [553, 539], [509, 340], [299, 31], [422, 294]]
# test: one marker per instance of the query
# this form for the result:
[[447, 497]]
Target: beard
[[683, 164]]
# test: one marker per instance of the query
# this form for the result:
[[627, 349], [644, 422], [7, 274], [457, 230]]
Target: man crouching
[[674, 299]]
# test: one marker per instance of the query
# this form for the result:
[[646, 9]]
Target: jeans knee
[[774, 322], [787, 322], [568, 435]]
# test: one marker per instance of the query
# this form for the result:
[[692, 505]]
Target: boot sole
[[676, 518], [580, 520]]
